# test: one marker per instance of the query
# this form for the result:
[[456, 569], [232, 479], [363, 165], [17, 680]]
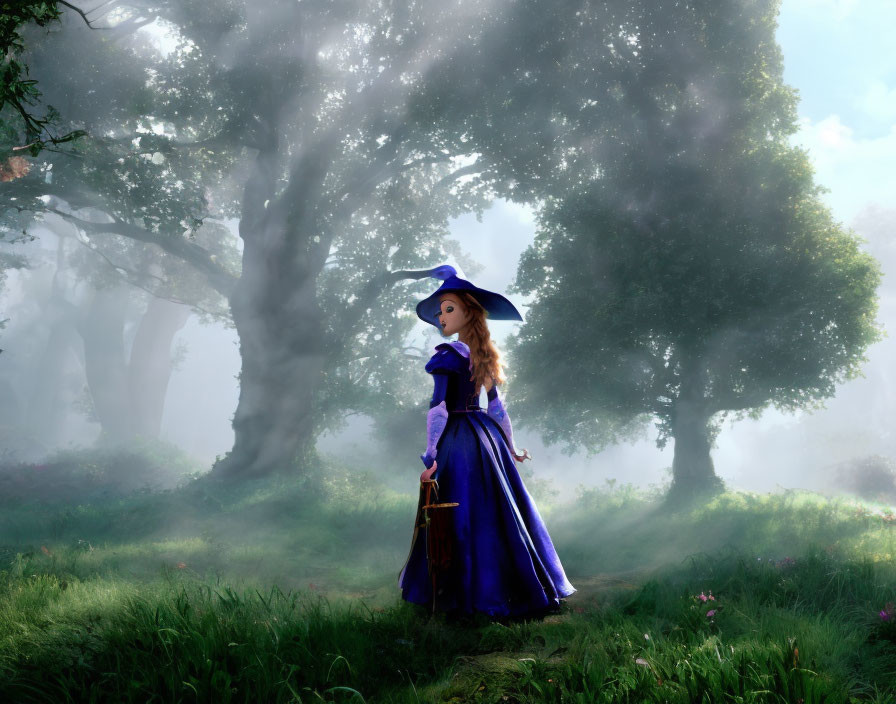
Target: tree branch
[[132, 280], [84, 17], [473, 168], [374, 288], [198, 257]]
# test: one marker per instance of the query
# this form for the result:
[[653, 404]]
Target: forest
[[229, 210]]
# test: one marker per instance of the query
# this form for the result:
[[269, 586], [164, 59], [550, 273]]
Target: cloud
[[879, 102], [858, 172], [834, 9]]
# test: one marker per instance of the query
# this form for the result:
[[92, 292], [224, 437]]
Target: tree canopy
[[695, 272]]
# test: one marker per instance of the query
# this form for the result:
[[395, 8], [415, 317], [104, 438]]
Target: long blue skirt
[[503, 560]]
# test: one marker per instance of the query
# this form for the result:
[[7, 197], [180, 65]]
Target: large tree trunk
[[282, 346], [693, 473], [151, 364], [277, 316], [692, 464]]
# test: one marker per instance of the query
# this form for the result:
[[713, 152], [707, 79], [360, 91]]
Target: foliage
[[74, 476], [129, 168], [18, 93]]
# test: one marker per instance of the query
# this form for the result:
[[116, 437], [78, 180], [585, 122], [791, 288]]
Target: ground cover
[[284, 591]]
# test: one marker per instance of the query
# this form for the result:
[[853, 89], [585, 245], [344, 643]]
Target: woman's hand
[[522, 457], [427, 473]]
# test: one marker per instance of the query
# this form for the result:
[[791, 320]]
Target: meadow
[[284, 590]]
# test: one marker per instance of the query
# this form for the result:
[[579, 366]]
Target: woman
[[502, 561]]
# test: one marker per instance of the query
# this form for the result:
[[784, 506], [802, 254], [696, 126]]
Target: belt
[[477, 409]]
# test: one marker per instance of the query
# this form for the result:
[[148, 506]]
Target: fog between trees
[[277, 164]]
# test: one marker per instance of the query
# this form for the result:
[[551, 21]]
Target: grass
[[284, 591]]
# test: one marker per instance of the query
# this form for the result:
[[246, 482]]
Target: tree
[[344, 190], [693, 272]]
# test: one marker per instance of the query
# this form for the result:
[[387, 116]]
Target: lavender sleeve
[[436, 419], [498, 413]]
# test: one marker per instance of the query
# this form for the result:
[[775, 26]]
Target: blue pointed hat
[[497, 307]]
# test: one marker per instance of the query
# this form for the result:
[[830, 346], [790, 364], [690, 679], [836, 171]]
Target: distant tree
[[692, 270], [134, 299], [126, 200], [873, 477]]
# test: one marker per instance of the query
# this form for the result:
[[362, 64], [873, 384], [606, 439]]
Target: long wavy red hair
[[484, 355]]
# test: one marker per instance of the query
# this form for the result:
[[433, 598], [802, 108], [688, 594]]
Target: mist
[[217, 223], [777, 450]]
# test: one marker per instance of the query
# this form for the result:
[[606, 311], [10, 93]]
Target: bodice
[[452, 360]]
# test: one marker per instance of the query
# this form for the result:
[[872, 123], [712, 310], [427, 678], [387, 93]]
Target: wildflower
[[888, 612], [181, 565], [704, 598], [710, 613]]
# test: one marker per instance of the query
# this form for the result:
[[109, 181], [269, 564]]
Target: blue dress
[[503, 561]]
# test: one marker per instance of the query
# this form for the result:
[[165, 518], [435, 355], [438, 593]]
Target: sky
[[836, 55]]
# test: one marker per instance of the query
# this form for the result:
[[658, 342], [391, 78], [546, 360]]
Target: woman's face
[[453, 316]]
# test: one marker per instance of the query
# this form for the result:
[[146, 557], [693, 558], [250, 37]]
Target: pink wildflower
[[710, 613]]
